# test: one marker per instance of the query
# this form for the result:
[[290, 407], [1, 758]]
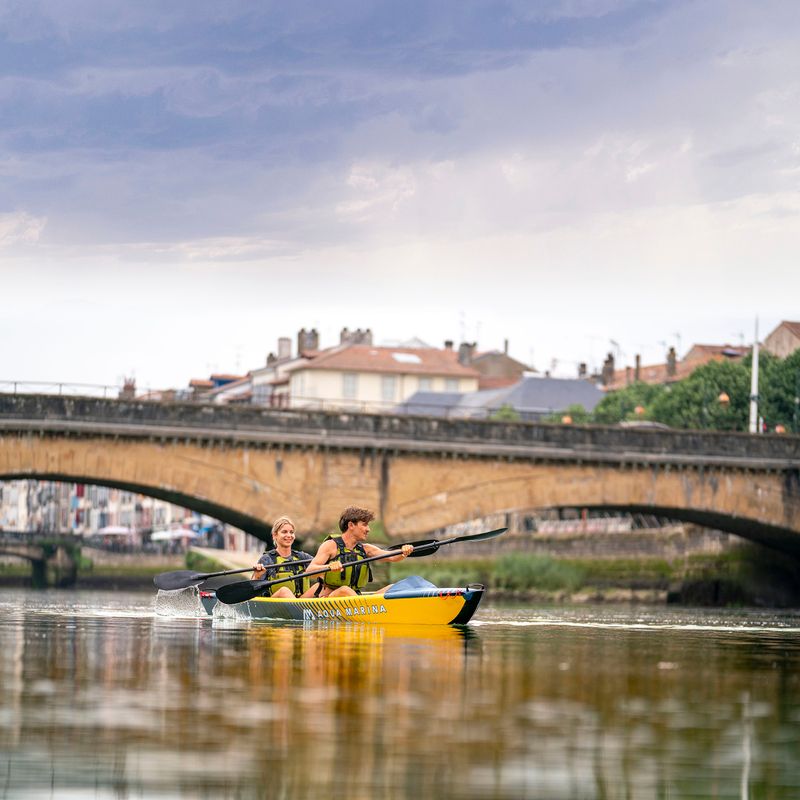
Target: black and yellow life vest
[[356, 576], [280, 566]]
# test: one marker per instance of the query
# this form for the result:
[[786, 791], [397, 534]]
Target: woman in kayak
[[342, 553], [277, 563]]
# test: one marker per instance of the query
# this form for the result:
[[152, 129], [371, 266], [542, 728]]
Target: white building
[[363, 377]]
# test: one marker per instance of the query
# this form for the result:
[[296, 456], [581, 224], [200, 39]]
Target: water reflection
[[132, 704]]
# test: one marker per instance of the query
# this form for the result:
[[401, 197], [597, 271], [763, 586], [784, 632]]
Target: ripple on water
[[656, 619]]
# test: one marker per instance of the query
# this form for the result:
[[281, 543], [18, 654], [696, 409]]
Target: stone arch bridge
[[248, 465]]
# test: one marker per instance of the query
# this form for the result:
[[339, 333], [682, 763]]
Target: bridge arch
[[762, 506]]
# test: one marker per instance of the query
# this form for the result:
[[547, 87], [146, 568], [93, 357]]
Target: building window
[[426, 384], [451, 384], [388, 388], [261, 394], [349, 386]]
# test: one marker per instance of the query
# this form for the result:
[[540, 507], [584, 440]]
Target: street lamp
[[723, 401]]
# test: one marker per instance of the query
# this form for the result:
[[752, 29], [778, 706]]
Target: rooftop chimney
[[582, 369], [285, 347], [638, 370], [307, 340], [505, 346], [128, 391], [607, 375], [465, 352], [672, 363], [448, 344], [355, 337]]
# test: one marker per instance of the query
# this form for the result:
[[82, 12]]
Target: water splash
[[223, 614], [179, 603]]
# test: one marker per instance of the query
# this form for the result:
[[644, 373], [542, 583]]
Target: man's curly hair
[[354, 514]]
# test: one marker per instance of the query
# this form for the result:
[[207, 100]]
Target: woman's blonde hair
[[281, 521]]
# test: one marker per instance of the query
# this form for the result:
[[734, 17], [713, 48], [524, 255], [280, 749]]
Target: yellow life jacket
[[356, 576], [279, 567]]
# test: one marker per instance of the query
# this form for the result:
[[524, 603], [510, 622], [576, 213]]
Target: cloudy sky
[[182, 183]]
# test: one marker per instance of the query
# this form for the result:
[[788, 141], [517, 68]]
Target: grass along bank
[[745, 575]]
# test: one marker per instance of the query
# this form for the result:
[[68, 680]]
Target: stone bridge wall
[[246, 465], [243, 422]]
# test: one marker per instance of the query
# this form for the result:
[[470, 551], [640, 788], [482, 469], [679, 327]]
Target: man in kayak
[[342, 554], [277, 563]]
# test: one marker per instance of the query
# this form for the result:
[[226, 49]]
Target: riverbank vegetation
[[745, 575]]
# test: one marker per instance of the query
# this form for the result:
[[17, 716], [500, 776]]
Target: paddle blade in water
[[180, 579]]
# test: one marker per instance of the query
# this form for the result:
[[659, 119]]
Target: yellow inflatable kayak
[[411, 601]]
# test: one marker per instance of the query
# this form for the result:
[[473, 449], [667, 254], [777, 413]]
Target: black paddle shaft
[[184, 578], [241, 591]]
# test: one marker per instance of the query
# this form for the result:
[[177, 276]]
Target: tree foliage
[[576, 412], [715, 396], [621, 406], [506, 413]]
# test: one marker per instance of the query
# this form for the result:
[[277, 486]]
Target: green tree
[[506, 413], [621, 405], [715, 396], [576, 412], [698, 402], [779, 392]]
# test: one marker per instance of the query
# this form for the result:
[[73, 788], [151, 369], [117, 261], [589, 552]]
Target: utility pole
[[754, 426]]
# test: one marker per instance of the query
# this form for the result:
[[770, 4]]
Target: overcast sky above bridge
[[184, 182]]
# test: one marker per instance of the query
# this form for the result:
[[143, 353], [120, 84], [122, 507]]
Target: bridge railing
[[297, 402], [147, 418], [61, 389]]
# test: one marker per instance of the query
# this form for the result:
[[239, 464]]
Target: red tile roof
[[793, 327], [399, 360], [708, 352], [494, 382]]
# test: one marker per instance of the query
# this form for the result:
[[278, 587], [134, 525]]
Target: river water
[[102, 695]]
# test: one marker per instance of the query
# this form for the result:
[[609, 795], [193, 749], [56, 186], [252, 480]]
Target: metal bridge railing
[[65, 389]]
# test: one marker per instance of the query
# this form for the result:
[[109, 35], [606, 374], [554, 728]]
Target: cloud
[[542, 158], [20, 228]]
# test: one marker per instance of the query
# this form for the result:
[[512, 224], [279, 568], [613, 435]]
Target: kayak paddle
[[184, 578], [428, 547], [241, 591]]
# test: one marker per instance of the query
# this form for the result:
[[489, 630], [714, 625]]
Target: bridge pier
[[62, 569], [39, 573]]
